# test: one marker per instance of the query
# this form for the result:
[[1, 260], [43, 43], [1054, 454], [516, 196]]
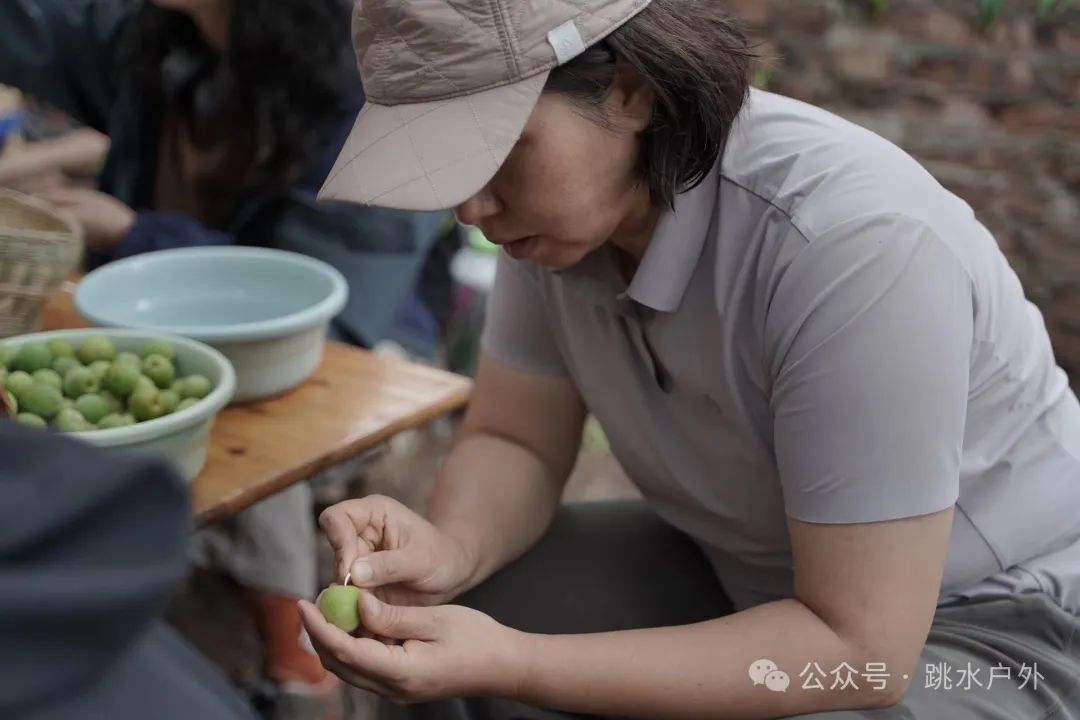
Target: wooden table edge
[[243, 499]]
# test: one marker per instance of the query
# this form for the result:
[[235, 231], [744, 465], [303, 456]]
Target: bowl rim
[[171, 424], [309, 317]]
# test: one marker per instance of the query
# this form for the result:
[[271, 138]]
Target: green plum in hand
[[95, 349], [340, 605], [159, 369], [80, 381]]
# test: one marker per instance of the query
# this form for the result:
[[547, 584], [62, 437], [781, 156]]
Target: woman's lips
[[519, 249]]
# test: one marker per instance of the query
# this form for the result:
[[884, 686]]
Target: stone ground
[[208, 610]]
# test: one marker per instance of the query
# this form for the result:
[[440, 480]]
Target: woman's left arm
[[850, 639]]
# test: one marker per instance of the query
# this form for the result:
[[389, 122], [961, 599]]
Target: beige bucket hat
[[450, 85]]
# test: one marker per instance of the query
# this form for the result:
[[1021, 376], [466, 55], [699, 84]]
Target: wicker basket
[[40, 247]]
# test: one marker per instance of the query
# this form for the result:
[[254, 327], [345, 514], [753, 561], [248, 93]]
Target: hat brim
[[431, 156]]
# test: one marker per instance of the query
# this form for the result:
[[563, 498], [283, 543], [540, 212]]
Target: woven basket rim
[[74, 229]]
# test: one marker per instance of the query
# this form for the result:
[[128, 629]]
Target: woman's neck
[[212, 20], [636, 230]]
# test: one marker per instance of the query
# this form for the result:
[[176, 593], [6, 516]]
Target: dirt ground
[[208, 611]]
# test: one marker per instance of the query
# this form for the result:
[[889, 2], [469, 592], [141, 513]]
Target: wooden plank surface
[[355, 401]]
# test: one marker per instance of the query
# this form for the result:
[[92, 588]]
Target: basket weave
[[40, 247]]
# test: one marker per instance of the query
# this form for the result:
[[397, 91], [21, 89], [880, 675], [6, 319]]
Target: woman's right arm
[[500, 486], [63, 52]]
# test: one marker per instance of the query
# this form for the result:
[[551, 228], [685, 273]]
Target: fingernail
[[361, 571]]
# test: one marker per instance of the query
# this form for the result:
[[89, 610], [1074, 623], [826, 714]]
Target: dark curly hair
[[281, 79]]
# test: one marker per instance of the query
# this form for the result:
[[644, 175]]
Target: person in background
[[224, 119], [90, 548]]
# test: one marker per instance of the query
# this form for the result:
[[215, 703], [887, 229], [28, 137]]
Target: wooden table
[[355, 401]]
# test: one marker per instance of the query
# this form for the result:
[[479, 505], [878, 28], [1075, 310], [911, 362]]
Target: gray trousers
[[615, 565], [269, 547]]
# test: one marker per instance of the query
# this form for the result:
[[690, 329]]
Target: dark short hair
[[696, 58]]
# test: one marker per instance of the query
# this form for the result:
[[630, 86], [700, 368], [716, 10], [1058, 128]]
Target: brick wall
[[993, 111]]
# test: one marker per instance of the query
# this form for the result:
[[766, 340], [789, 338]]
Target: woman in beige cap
[[860, 464]]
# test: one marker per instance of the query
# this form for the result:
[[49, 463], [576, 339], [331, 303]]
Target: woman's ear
[[632, 99]]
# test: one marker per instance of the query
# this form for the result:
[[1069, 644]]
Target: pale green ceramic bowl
[[183, 437]]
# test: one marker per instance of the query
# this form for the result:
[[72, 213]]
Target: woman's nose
[[478, 208]]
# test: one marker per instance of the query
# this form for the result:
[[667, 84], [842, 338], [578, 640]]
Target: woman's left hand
[[446, 651], [104, 219]]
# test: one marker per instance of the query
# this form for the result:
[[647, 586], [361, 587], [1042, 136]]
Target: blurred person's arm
[[50, 163], [63, 53], [91, 544]]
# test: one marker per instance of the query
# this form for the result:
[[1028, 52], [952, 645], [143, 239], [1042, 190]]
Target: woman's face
[[569, 185]]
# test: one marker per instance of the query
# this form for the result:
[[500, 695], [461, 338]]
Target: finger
[[343, 537], [399, 622], [367, 657], [389, 567], [62, 195], [352, 677]]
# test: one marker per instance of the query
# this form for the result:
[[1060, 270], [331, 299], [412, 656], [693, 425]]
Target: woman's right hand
[[386, 547]]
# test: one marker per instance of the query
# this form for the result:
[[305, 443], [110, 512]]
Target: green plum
[[7, 354], [100, 368], [340, 605], [159, 369], [186, 403], [144, 383], [171, 400], [93, 408], [128, 358], [115, 420], [48, 377], [146, 405], [81, 381], [159, 347], [64, 364], [61, 348], [71, 420], [196, 386], [115, 403], [32, 357], [41, 400], [31, 420], [96, 348], [18, 381], [121, 378]]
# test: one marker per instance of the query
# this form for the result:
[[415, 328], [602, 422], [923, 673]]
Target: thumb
[[388, 567], [398, 622]]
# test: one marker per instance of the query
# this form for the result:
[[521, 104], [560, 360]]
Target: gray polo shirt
[[819, 330]]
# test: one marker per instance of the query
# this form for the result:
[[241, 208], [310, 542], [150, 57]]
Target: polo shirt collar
[[664, 273]]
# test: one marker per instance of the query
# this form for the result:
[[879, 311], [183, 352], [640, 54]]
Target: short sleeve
[[869, 336], [517, 328]]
